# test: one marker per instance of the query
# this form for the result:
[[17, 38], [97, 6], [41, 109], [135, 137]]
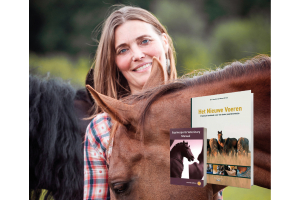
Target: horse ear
[[117, 110], [157, 76]]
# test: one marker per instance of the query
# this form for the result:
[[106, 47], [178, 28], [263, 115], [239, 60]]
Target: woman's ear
[[165, 42]]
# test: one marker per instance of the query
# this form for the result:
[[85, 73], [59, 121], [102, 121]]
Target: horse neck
[[221, 139], [176, 153], [181, 99]]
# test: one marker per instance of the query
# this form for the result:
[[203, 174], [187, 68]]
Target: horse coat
[[176, 168], [243, 146], [196, 171], [135, 169]]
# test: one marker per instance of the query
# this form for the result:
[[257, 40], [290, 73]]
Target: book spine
[[205, 154], [191, 112]]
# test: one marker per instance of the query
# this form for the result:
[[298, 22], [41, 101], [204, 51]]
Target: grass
[[230, 160], [256, 192], [73, 70]]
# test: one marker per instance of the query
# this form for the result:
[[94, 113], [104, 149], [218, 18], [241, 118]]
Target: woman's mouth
[[143, 67]]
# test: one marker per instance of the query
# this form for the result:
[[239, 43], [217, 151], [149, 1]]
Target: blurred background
[[63, 34], [63, 37]]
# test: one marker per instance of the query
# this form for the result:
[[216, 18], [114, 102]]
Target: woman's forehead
[[132, 30]]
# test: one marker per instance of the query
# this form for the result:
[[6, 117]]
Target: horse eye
[[119, 188]]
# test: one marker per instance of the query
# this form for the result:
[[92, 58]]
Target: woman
[[130, 38]]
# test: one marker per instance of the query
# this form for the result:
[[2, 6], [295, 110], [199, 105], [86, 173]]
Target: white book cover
[[229, 121]]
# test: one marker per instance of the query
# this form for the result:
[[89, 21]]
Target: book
[[187, 156], [229, 122]]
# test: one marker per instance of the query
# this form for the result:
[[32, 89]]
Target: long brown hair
[[108, 80]]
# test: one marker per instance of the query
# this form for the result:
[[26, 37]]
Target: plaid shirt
[[220, 195], [96, 158]]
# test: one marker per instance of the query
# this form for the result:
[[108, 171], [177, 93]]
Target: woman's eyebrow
[[121, 45], [142, 36], [137, 39]]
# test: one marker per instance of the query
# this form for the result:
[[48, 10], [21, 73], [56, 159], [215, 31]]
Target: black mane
[[55, 144], [178, 145]]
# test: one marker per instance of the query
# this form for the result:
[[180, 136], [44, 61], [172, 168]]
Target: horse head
[[140, 160], [140, 163], [220, 135], [187, 152]]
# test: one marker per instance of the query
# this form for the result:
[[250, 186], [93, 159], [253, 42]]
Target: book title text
[[226, 109]]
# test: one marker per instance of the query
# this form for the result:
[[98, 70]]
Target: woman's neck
[[135, 90]]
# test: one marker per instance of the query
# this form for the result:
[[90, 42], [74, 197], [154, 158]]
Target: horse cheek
[[156, 171]]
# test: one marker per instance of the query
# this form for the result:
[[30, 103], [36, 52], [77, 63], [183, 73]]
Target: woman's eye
[[122, 51], [119, 188], [145, 41]]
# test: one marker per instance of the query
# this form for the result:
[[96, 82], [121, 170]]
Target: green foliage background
[[206, 33], [63, 37]]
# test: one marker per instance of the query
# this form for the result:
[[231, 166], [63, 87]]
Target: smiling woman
[[136, 44], [131, 37]]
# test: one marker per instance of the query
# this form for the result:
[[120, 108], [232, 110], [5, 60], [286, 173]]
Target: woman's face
[[136, 43]]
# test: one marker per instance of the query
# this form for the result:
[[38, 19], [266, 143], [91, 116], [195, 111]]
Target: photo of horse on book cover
[[228, 149], [187, 157], [229, 122]]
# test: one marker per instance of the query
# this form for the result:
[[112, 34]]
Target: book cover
[[187, 156], [229, 122]]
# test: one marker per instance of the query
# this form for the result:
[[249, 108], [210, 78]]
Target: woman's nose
[[137, 54]]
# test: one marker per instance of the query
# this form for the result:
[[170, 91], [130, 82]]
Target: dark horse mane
[[55, 143], [177, 145], [235, 69]]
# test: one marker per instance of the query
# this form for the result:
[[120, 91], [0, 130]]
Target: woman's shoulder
[[101, 117], [100, 125], [97, 133]]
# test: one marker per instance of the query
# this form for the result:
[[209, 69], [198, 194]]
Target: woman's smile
[[143, 67]]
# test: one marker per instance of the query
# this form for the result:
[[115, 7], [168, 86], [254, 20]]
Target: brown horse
[[227, 146], [221, 141], [214, 147], [243, 146], [139, 165], [208, 151], [230, 147]]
